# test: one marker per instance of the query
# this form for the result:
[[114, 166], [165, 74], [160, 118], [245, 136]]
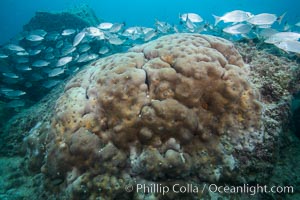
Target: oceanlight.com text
[[214, 188]]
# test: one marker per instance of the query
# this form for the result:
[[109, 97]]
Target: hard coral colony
[[180, 107]]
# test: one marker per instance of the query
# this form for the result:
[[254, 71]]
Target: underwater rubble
[[183, 109]]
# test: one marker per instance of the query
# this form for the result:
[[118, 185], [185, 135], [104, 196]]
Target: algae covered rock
[[77, 18], [177, 108]]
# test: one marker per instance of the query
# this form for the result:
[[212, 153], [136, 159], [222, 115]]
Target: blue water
[[15, 13]]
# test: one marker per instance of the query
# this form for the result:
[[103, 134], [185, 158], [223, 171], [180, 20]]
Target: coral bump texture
[[176, 107]]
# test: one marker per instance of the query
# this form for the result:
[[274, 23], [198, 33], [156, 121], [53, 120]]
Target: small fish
[[116, 27], [68, 32], [87, 57], [190, 25], [53, 36], [34, 52], [162, 27], [115, 41], [39, 32], [68, 49], [14, 47], [105, 25], [5, 90], [289, 46], [282, 36], [265, 20], [297, 24], [238, 29], [287, 27], [10, 75], [103, 50], [84, 48], [193, 17], [266, 33], [94, 32], [36, 77], [14, 93], [22, 60], [40, 63], [15, 104], [51, 83], [235, 16], [78, 38], [56, 72], [23, 68], [132, 30], [22, 53], [49, 56], [3, 55], [49, 50], [59, 44], [63, 61], [149, 35], [34, 38]]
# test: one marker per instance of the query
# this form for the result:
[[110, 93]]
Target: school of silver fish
[[34, 62]]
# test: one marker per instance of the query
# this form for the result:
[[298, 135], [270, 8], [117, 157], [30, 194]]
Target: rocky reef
[[182, 109], [77, 18]]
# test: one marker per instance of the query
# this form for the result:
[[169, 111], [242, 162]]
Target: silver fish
[[33, 52], [23, 68], [103, 50], [115, 41], [264, 19], [4, 90], [22, 53], [282, 36], [68, 49], [36, 77], [49, 56], [14, 93], [10, 75], [22, 60], [235, 16], [3, 55], [194, 18], [39, 32], [68, 32], [116, 27], [267, 32], [190, 25], [53, 36], [105, 25], [83, 58], [149, 35], [289, 46], [63, 61], [94, 32], [15, 104], [40, 63], [238, 29], [78, 38], [51, 83], [84, 48], [59, 44], [34, 38], [56, 72], [14, 47]]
